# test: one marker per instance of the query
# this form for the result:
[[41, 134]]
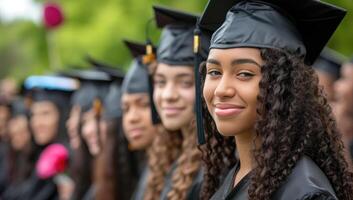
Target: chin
[[227, 129]]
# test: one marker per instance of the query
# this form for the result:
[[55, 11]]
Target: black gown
[[193, 193], [141, 185], [306, 182]]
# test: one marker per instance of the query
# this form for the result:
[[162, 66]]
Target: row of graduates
[[252, 123]]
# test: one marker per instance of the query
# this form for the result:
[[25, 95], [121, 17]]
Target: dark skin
[[230, 90]]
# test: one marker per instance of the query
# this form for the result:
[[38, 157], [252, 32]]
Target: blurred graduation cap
[[112, 102], [176, 41], [329, 62], [302, 27], [137, 79], [94, 87], [55, 89], [114, 72]]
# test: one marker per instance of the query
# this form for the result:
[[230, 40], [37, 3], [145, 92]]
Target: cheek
[[146, 116], [208, 90], [188, 94], [157, 93]]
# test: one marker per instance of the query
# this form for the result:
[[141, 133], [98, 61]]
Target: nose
[[225, 89], [169, 93], [133, 115]]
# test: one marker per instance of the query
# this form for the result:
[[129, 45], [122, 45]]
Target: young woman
[[264, 100], [137, 123], [174, 100], [48, 114]]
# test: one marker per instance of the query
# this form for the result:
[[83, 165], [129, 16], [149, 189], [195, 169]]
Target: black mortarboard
[[136, 79], [112, 102], [330, 62], [94, 84], [114, 72], [302, 27], [176, 41]]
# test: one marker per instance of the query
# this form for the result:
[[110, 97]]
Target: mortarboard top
[[55, 89], [302, 27], [330, 62], [176, 41], [136, 79], [114, 72], [94, 85]]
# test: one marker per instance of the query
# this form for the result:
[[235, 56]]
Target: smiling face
[[231, 88], [174, 95], [137, 123]]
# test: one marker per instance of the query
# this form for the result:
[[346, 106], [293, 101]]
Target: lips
[[172, 111], [135, 133], [227, 110]]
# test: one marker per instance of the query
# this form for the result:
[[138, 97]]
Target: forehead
[[126, 97], [236, 53], [173, 71]]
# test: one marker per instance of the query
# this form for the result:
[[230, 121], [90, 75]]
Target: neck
[[185, 131], [244, 143]]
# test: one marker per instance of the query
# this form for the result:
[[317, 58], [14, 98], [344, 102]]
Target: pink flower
[[53, 16], [52, 161]]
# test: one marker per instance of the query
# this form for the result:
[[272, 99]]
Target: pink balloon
[[52, 161], [53, 15]]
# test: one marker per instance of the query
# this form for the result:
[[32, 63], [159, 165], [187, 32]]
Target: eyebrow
[[244, 61], [235, 61], [181, 75]]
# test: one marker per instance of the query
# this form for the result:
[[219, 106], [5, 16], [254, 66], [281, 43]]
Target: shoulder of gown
[[306, 181]]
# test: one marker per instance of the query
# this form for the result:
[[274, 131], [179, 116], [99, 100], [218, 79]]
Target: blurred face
[[344, 87], [137, 122], [4, 116], [44, 122], [174, 95], [72, 126], [19, 133], [326, 81], [231, 88], [90, 132]]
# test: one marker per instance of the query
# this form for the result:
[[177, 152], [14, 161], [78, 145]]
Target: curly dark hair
[[293, 119]]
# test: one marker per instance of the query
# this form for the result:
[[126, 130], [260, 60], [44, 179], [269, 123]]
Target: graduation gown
[[194, 189], [141, 185], [306, 181]]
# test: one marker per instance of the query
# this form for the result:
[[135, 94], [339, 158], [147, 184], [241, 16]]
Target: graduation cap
[[50, 88], [114, 72], [137, 79], [176, 41], [301, 27], [112, 102], [330, 62], [94, 86]]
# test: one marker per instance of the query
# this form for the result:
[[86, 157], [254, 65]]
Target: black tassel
[[198, 99]]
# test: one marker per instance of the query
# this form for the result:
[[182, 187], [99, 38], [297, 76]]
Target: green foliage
[[97, 28]]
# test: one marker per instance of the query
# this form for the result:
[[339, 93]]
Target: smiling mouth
[[228, 110], [172, 111]]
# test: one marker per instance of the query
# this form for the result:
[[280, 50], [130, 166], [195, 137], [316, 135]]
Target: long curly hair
[[188, 165], [293, 119], [164, 151]]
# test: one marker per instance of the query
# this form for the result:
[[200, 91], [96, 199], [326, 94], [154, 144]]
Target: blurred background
[[95, 28]]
